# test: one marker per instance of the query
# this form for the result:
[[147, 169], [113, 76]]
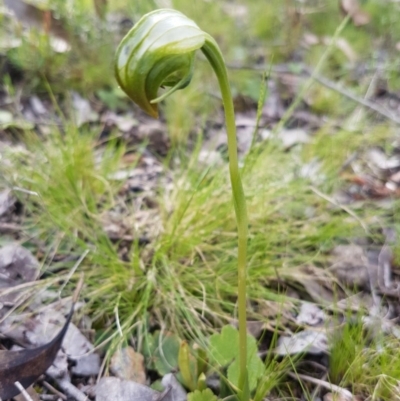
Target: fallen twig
[[9, 227], [48, 397], [24, 393], [304, 70], [332, 387], [364, 102], [49, 387], [70, 389]]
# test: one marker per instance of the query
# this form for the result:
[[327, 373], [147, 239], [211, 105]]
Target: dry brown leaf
[[319, 284], [83, 112], [352, 8], [291, 137], [309, 39], [338, 397], [350, 265], [31, 392], [273, 108], [310, 341], [25, 366], [310, 315], [380, 162], [112, 388], [17, 266], [345, 47], [128, 364], [31, 16], [7, 201], [255, 328], [173, 389], [116, 227], [124, 122], [87, 365], [154, 132]]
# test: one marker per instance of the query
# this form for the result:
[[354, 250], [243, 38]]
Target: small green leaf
[[204, 395], [161, 351], [224, 346], [201, 359], [201, 382], [166, 355], [157, 385], [255, 366], [148, 351], [187, 366]]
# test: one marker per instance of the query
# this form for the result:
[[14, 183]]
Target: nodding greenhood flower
[[158, 51]]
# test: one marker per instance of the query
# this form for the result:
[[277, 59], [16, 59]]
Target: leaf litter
[[350, 264], [20, 368]]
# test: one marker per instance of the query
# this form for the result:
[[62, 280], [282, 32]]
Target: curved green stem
[[214, 56], [159, 51]]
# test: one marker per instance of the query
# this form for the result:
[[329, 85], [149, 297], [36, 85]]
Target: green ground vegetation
[[185, 280]]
